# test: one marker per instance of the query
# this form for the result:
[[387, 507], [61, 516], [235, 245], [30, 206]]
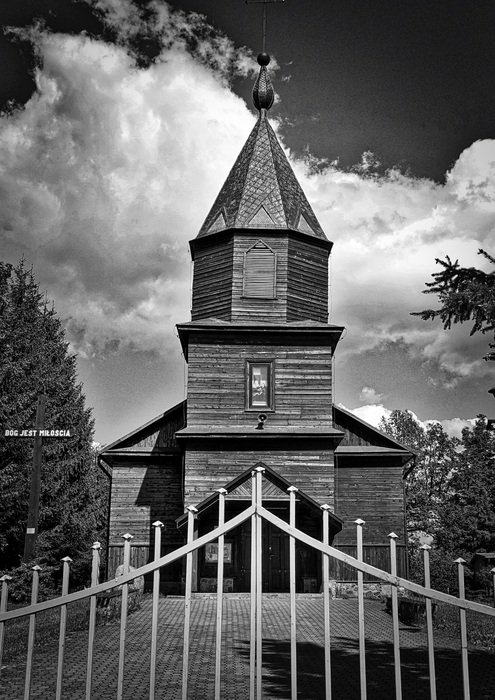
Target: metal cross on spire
[[264, 3]]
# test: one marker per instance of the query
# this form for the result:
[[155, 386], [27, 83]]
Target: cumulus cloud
[[369, 396], [112, 166], [371, 413], [106, 174]]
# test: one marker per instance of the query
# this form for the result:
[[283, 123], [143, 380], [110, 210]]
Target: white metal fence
[[256, 513]]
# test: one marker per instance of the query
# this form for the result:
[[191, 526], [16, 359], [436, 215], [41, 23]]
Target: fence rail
[[257, 514]]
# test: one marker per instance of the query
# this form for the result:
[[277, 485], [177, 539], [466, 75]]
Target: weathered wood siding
[[217, 380], [212, 282], [373, 491], [143, 492], [257, 309], [310, 469], [376, 555], [307, 286]]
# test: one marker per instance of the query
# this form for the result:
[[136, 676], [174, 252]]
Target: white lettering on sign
[[38, 432]]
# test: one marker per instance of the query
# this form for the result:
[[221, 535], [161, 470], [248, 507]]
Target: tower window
[[259, 392], [260, 264]]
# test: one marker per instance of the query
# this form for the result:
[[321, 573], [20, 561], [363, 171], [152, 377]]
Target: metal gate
[[256, 514]]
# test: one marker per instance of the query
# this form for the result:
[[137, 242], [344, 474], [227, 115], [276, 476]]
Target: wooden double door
[[275, 558]]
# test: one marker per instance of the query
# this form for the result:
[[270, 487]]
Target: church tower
[[259, 347]]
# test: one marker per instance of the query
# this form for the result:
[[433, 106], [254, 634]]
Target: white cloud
[[371, 413], [109, 170], [369, 396]]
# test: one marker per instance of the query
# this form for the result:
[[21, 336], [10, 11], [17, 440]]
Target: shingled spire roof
[[261, 190]]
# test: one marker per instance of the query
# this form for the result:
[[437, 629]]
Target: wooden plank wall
[[307, 292], [255, 309], [143, 493], [374, 493], [212, 282], [311, 470], [217, 381], [377, 555]]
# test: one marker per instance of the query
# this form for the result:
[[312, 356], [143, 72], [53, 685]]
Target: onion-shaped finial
[[263, 94]]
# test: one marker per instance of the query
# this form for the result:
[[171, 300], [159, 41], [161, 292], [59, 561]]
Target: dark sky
[[410, 81]]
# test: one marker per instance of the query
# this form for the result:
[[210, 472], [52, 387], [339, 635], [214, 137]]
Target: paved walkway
[[276, 655]]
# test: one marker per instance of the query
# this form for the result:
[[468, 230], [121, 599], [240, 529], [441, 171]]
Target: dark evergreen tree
[[34, 358], [465, 294]]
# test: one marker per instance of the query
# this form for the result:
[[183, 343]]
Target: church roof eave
[[219, 235]]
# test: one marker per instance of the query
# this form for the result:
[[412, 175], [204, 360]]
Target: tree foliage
[[429, 482], [34, 358], [450, 494], [465, 294]]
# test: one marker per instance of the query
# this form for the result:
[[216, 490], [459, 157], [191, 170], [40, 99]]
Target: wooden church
[[259, 350]]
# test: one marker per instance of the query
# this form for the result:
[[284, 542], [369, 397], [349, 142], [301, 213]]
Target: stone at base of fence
[[349, 589]]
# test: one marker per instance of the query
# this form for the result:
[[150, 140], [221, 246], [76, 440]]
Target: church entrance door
[[275, 559]]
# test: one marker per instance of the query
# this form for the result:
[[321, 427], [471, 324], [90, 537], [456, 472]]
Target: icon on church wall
[[259, 387], [211, 553]]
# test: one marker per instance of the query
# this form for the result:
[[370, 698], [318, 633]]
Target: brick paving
[[276, 655]]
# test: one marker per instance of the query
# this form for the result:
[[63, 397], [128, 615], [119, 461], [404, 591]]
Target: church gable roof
[[262, 190], [362, 438], [158, 435], [275, 487]]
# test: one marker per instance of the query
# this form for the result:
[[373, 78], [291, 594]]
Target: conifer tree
[[34, 358], [465, 294]]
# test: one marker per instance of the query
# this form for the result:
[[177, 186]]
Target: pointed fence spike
[[292, 489], [127, 536], [192, 509], [359, 521], [96, 545], [393, 536], [67, 559], [6, 577], [459, 561], [325, 506], [426, 547], [158, 523], [222, 491], [36, 568], [492, 571]]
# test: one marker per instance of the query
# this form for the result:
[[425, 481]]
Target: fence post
[[3, 607], [395, 616], [292, 585], [252, 641], [492, 571], [429, 622], [32, 629], [462, 614], [259, 584], [95, 570], [157, 526], [63, 624], [191, 511], [123, 614], [362, 648], [218, 637], [325, 560]]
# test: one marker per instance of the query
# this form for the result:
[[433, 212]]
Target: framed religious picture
[[211, 553]]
